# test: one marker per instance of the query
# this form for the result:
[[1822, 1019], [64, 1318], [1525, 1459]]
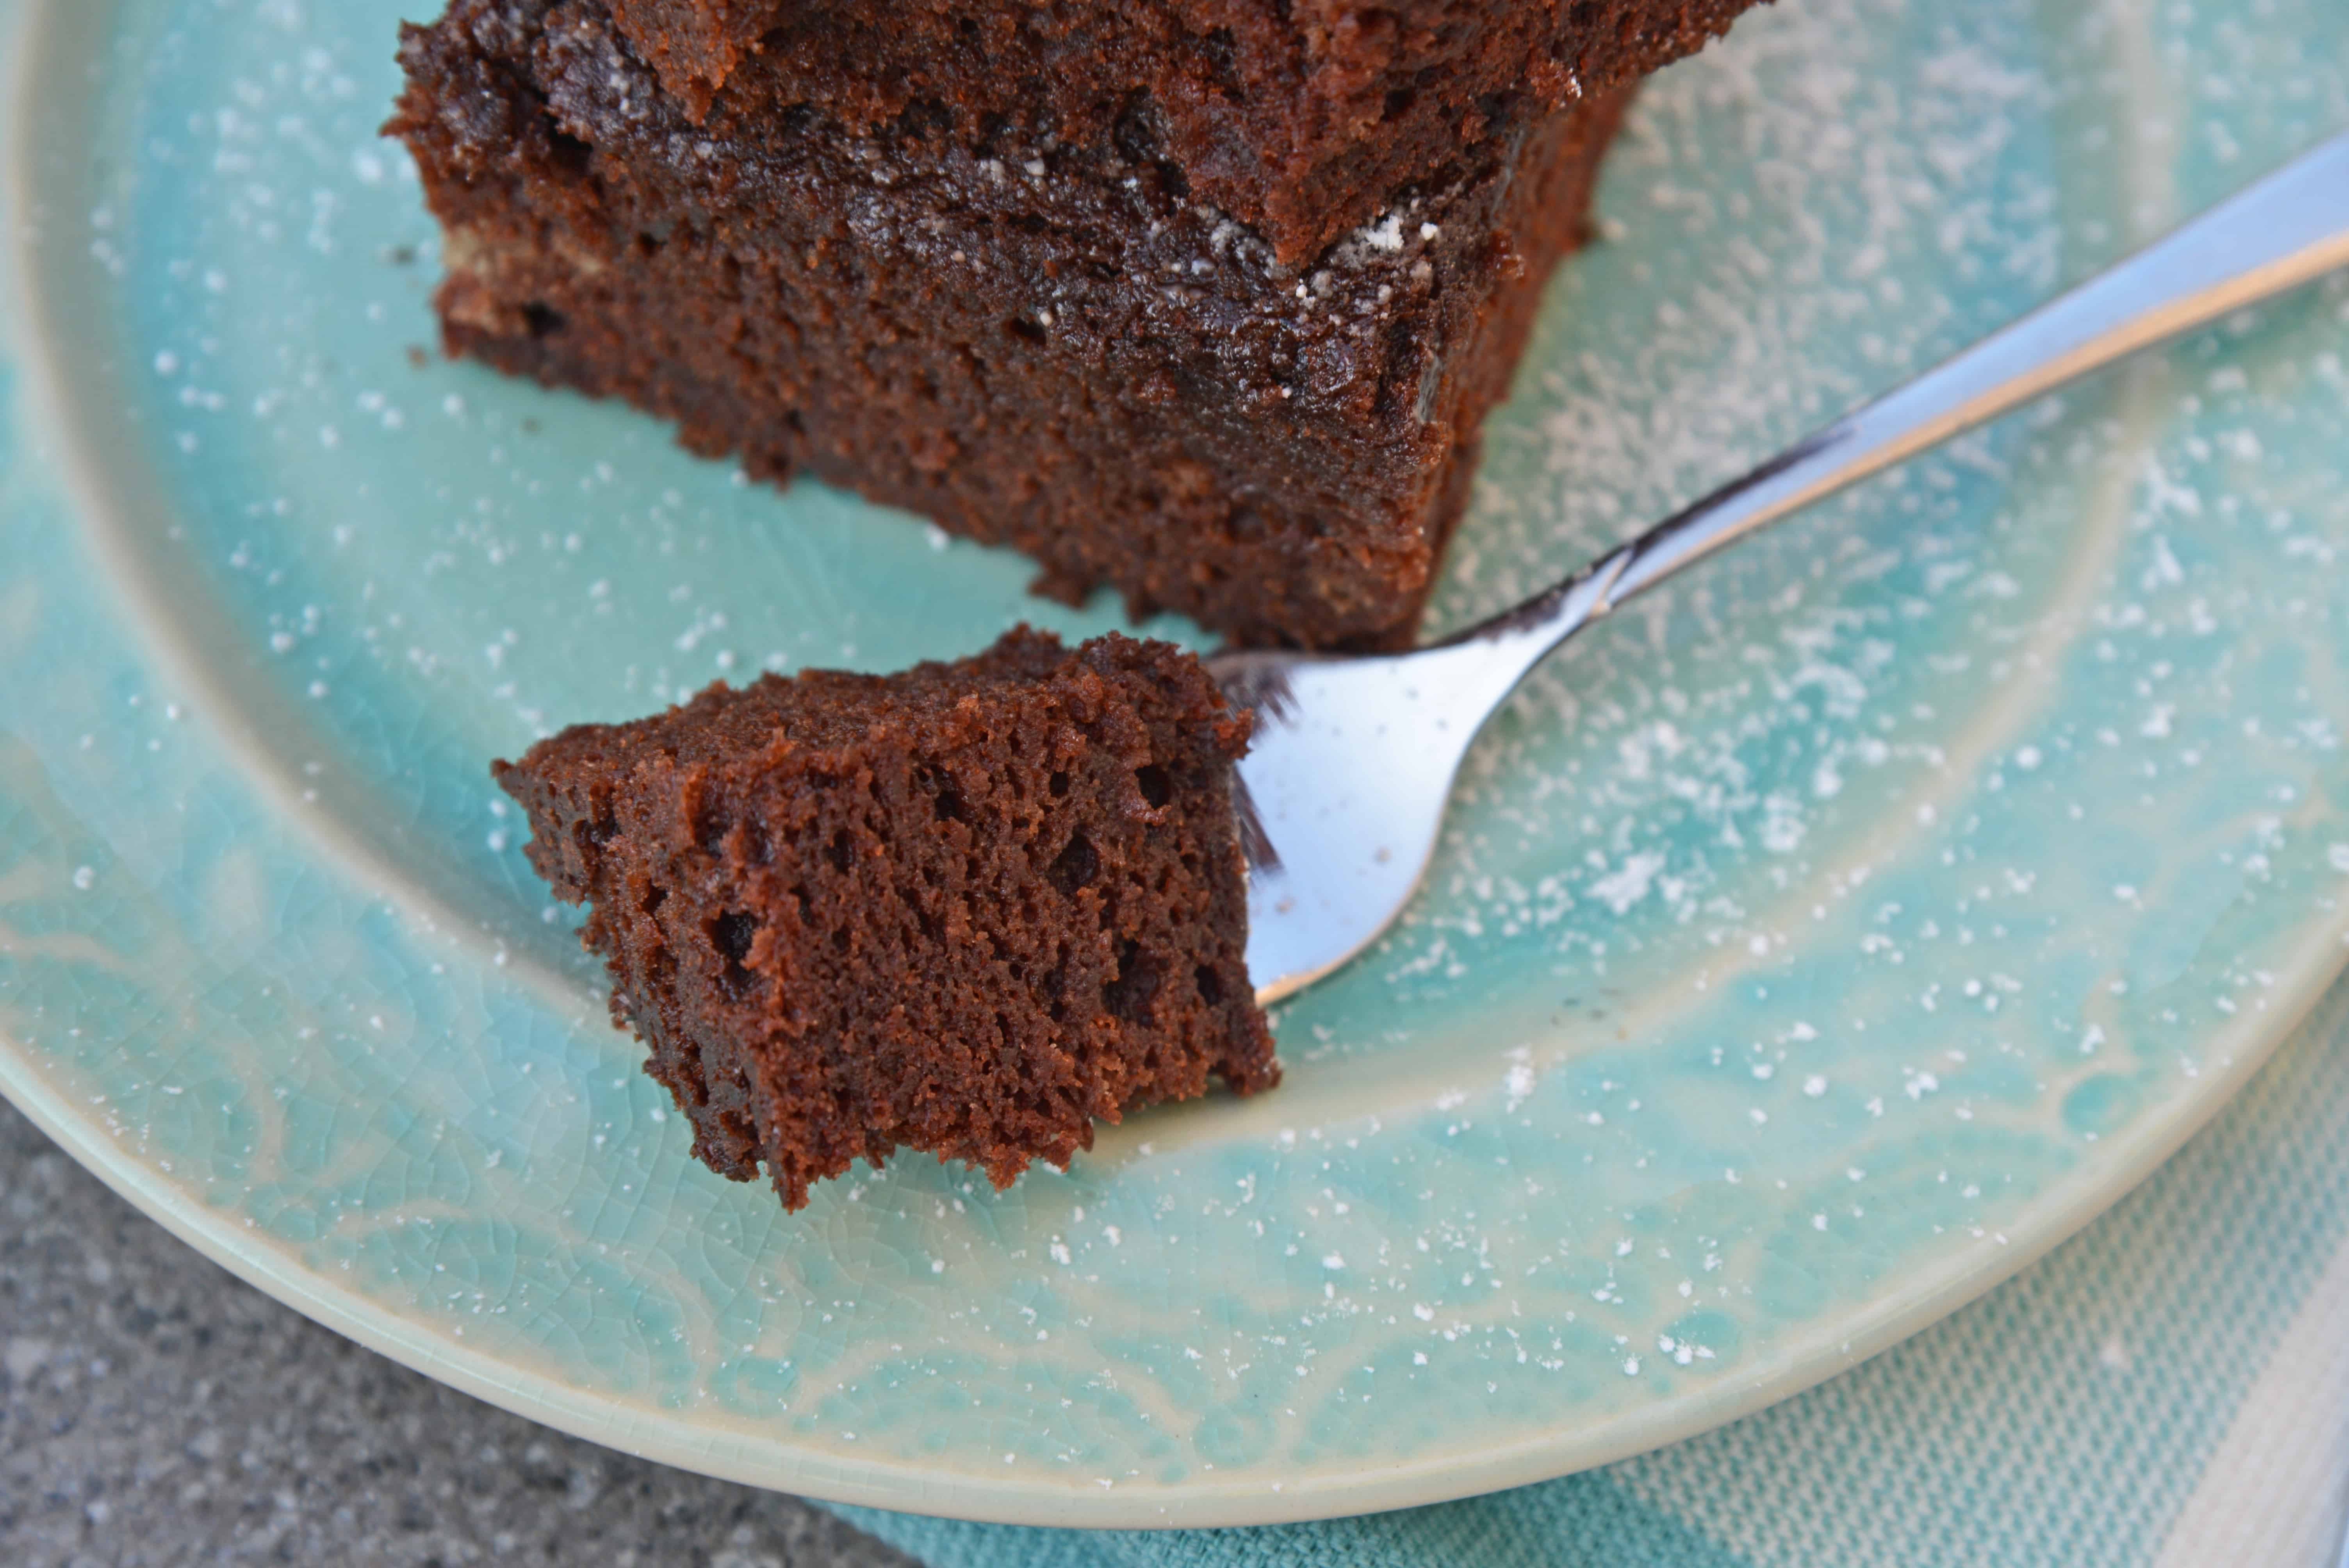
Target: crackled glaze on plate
[[1807, 952]]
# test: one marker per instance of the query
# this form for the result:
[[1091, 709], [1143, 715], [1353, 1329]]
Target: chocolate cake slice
[[970, 909], [1061, 345], [1299, 117]]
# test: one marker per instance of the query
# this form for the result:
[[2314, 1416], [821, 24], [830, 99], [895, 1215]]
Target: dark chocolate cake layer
[[1300, 118], [970, 909], [1063, 351]]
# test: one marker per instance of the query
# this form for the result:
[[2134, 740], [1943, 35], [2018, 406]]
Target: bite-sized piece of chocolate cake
[[970, 909], [1058, 347], [1299, 117]]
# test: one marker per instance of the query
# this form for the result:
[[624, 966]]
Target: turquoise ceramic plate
[[1816, 945]]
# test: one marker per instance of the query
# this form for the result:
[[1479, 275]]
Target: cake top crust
[[1301, 117]]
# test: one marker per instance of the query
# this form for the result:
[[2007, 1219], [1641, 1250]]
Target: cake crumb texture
[[970, 909], [1059, 346]]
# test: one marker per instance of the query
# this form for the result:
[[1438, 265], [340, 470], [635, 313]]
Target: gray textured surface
[[158, 1411]]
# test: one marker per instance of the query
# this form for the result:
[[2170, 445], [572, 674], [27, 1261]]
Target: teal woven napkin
[[2171, 1388]]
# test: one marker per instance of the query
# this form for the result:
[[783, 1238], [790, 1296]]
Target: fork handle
[[2287, 229]]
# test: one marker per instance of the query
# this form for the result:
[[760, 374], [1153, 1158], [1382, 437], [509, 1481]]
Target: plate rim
[[1800, 1362], [42, 29]]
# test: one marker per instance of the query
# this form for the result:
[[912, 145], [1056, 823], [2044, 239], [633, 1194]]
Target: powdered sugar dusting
[[1776, 947]]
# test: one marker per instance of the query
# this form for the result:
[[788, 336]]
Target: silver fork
[[1354, 757]]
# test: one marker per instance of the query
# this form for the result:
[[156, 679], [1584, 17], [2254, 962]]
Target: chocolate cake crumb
[[970, 909], [1055, 341]]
